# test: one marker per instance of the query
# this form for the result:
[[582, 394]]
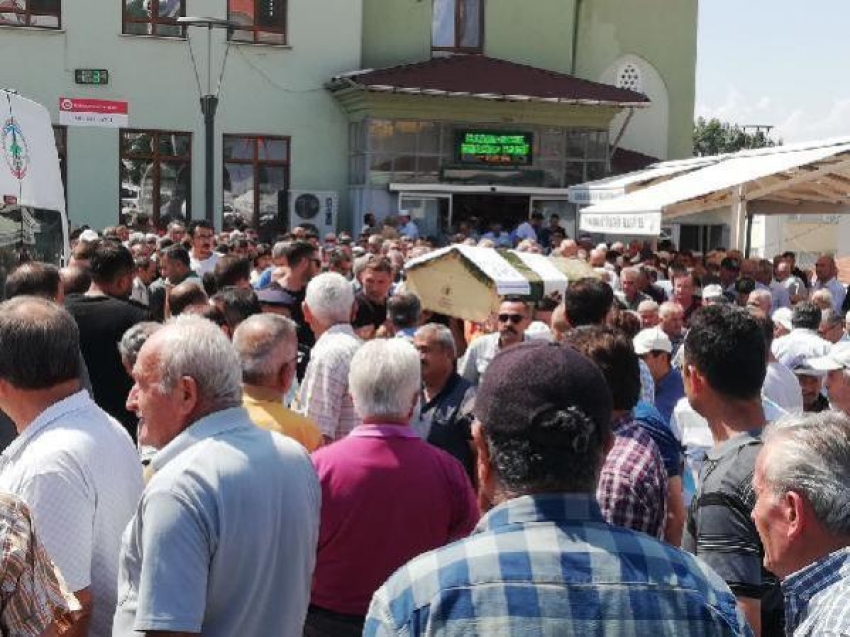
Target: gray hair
[[385, 378], [669, 307], [330, 298], [630, 271], [196, 347], [261, 343], [442, 335], [647, 306], [810, 455], [133, 339], [831, 318], [280, 249]]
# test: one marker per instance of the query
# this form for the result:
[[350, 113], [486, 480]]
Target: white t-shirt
[[79, 472], [782, 387], [204, 266]]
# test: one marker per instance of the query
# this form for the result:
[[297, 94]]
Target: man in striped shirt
[[324, 396]]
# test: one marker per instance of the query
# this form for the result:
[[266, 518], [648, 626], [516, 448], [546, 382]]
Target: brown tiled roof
[[489, 78]]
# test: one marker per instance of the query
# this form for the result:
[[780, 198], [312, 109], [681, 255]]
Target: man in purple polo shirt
[[387, 495]]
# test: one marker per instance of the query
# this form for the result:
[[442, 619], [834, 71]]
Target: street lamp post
[[209, 102]]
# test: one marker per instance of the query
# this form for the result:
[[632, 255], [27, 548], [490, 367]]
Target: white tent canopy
[[797, 179]]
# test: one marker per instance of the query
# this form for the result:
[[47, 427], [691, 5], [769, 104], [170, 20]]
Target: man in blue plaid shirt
[[802, 513], [543, 561]]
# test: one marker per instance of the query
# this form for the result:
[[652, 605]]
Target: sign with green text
[[494, 148]]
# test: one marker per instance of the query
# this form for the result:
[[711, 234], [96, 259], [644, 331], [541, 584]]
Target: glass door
[[432, 212], [548, 206]]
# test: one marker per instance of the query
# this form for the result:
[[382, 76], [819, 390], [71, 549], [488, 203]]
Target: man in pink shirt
[[387, 495]]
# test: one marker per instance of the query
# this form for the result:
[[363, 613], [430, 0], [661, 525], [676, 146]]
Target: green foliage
[[713, 137]]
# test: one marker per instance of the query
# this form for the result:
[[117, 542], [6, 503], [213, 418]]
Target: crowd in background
[[206, 434]]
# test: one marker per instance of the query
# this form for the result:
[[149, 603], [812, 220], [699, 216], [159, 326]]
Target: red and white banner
[[91, 112]]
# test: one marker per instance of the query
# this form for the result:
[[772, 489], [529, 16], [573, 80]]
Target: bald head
[[267, 346]]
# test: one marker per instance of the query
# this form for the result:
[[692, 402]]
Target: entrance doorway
[[482, 210]]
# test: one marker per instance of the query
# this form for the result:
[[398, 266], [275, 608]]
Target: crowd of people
[[205, 434]]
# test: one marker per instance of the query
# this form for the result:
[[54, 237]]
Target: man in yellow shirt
[[268, 350]]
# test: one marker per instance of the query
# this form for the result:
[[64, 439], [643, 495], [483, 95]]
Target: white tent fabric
[[789, 177]]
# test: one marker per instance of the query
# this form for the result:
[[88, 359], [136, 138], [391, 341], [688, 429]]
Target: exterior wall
[[661, 32], [268, 90]]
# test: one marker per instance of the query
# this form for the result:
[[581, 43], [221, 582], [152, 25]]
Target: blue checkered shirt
[[817, 597], [550, 565]]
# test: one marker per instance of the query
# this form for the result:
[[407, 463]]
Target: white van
[[33, 222]]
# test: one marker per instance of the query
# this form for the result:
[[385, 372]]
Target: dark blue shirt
[[659, 429], [668, 391]]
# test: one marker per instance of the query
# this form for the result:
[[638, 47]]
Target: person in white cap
[[836, 364], [653, 346], [782, 321], [408, 227]]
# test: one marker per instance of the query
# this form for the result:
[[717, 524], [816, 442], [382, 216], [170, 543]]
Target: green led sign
[[91, 76], [494, 148]]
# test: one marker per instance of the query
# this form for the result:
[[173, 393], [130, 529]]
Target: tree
[[713, 137]]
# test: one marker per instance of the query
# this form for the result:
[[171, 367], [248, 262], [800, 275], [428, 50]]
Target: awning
[[803, 178], [480, 189], [620, 185]]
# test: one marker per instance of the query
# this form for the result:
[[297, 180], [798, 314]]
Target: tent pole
[[739, 213], [748, 240]]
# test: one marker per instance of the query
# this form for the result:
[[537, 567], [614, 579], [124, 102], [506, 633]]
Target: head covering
[[652, 339], [534, 377], [838, 358]]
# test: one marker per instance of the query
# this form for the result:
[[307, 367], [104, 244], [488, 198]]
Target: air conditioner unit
[[311, 208]]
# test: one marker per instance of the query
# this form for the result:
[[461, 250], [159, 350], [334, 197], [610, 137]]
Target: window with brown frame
[[153, 17], [457, 26], [256, 182], [156, 175], [260, 21], [46, 14]]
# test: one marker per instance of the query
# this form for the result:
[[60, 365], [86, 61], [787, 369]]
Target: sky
[[784, 63]]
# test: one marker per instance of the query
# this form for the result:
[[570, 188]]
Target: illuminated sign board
[[91, 76], [494, 148]]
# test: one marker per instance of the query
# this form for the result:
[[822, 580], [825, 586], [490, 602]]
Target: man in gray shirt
[[224, 539]]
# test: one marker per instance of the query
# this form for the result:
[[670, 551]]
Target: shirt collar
[[50, 416], [209, 426], [542, 507], [447, 388], [735, 442], [801, 586], [340, 328], [379, 430]]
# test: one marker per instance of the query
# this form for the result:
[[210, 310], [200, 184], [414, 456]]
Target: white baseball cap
[[89, 236], [838, 358], [783, 317], [652, 339]]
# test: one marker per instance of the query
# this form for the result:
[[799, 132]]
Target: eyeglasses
[[512, 318]]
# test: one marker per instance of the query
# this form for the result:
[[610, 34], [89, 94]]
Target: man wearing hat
[[811, 383], [542, 559], [407, 227], [836, 364], [653, 346]]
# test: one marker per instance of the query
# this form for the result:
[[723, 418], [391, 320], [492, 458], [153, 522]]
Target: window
[[256, 182], [156, 169], [260, 21], [154, 17], [31, 13], [457, 25]]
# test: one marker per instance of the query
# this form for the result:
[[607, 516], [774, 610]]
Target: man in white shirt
[[324, 397], [786, 279], [825, 273], [202, 258], [74, 466], [408, 227], [513, 319], [803, 341], [528, 229]]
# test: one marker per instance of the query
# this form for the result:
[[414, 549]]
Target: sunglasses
[[513, 318]]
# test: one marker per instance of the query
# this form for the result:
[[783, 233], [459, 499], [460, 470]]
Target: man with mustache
[[513, 319]]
